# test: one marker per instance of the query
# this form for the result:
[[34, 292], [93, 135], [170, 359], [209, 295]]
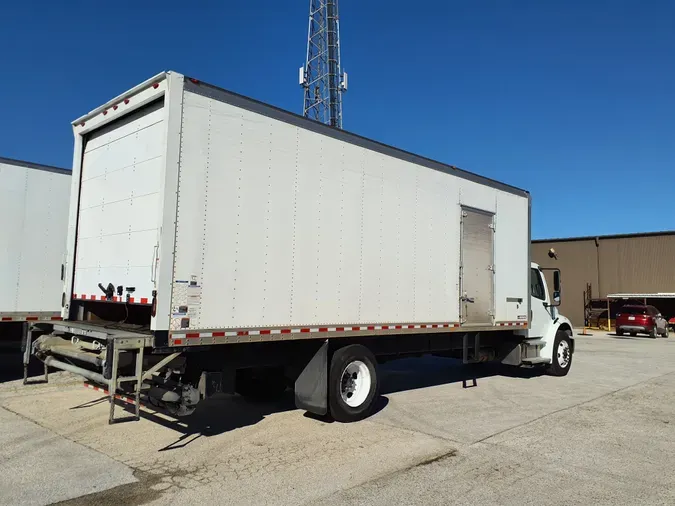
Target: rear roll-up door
[[119, 205]]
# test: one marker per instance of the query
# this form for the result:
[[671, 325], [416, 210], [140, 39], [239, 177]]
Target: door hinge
[[492, 226], [464, 214], [491, 268]]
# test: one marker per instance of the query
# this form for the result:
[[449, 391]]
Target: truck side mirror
[[556, 288]]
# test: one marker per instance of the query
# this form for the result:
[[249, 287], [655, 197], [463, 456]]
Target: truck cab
[[550, 334]]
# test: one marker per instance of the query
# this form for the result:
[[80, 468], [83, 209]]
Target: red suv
[[642, 319]]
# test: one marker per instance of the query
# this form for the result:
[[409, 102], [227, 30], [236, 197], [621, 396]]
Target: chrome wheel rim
[[355, 383], [564, 355]]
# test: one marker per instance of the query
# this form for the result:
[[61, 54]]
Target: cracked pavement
[[602, 435]]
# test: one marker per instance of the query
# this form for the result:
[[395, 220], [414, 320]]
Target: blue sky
[[571, 100]]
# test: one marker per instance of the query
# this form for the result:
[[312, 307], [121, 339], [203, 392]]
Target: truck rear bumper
[[634, 328], [87, 349], [115, 358], [96, 352]]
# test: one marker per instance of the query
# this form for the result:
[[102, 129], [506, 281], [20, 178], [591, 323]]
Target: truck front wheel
[[352, 383], [562, 354]]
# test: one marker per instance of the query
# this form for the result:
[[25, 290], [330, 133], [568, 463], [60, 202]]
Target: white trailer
[[33, 224], [239, 245]]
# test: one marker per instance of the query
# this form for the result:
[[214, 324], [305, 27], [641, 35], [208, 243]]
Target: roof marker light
[[155, 85], [105, 112], [82, 124], [114, 107], [126, 100], [193, 80]]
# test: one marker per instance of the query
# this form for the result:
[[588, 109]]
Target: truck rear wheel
[[352, 383], [562, 354]]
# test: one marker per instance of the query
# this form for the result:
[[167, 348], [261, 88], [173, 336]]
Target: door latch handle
[[153, 267], [470, 300]]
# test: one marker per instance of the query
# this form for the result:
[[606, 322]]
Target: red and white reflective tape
[[312, 330], [103, 298], [511, 324], [106, 392], [30, 318]]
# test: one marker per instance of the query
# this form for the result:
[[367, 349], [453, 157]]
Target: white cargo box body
[[33, 224], [252, 223]]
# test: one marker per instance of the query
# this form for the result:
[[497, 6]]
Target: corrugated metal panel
[[604, 237], [577, 261], [635, 264], [643, 264]]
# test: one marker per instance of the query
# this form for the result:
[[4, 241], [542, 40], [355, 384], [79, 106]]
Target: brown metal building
[[631, 263]]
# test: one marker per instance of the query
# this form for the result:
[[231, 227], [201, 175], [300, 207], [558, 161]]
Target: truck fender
[[561, 323]]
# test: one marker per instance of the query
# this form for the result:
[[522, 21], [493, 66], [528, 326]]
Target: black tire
[[342, 358], [633, 334], [666, 332], [559, 366], [261, 384], [654, 333], [619, 332]]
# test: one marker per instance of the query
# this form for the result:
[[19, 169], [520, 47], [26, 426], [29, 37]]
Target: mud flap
[[311, 387]]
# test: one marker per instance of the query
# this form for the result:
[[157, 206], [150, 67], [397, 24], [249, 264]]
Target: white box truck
[[34, 203], [219, 244]]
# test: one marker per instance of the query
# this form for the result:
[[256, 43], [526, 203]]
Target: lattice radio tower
[[322, 77]]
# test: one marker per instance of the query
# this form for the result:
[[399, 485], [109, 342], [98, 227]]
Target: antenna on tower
[[322, 77]]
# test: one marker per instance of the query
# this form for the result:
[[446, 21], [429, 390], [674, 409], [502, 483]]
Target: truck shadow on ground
[[11, 364], [415, 373], [223, 413]]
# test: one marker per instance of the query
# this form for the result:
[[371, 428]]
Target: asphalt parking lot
[[605, 434]]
